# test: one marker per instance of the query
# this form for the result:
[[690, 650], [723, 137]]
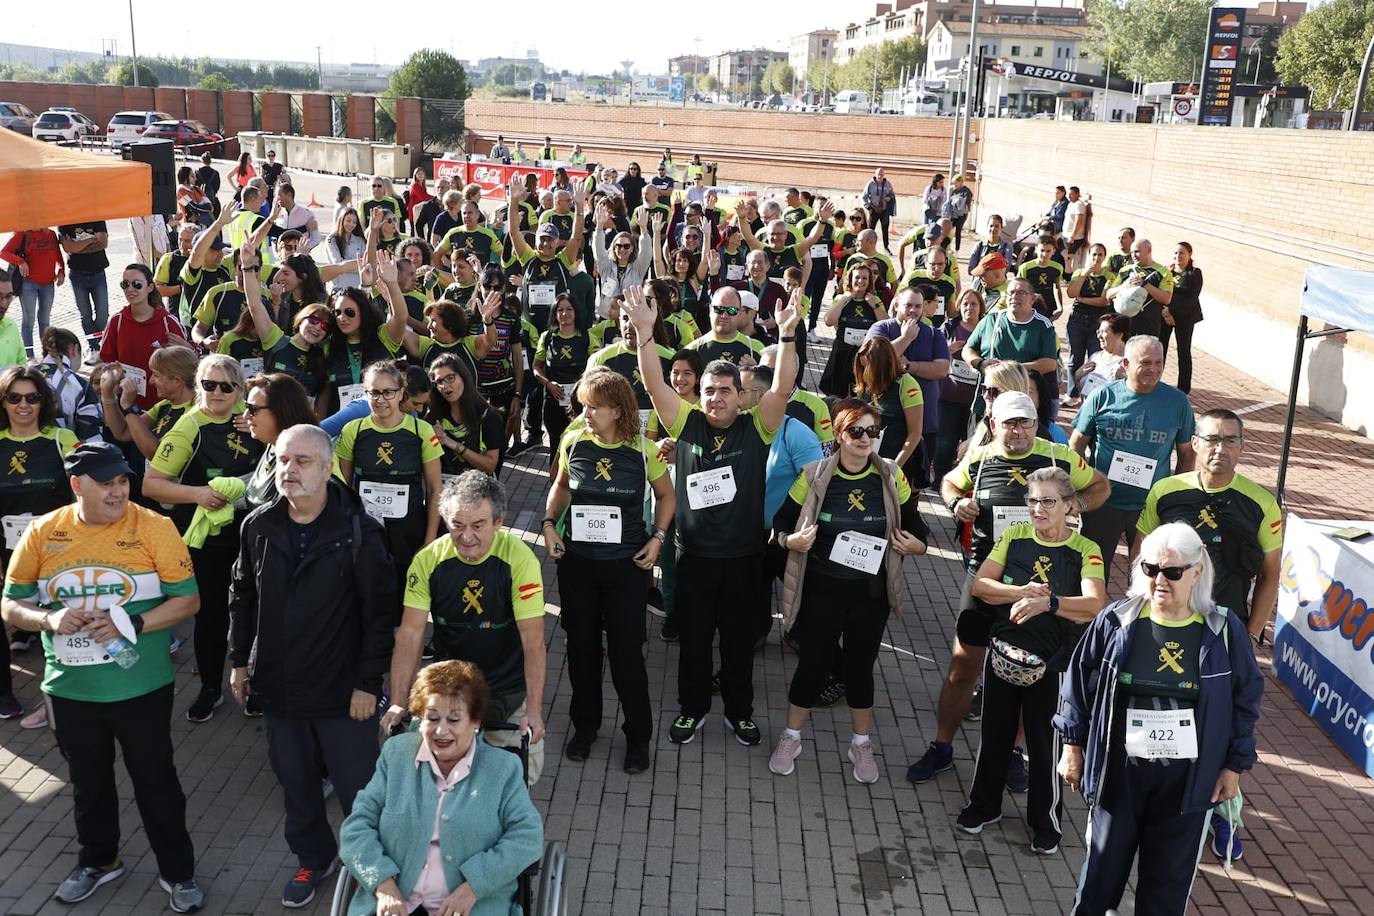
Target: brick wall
[[275, 109], [362, 117], [316, 115]]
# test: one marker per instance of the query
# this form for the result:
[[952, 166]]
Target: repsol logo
[[1330, 603], [1049, 73]]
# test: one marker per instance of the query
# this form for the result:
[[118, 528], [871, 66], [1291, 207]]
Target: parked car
[[186, 133], [18, 117], [64, 124], [128, 126]]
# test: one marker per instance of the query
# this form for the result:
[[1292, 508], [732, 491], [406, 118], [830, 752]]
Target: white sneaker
[[813, 337], [783, 761], [36, 719], [865, 767]]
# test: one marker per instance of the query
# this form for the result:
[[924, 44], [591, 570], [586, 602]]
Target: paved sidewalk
[[709, 829]]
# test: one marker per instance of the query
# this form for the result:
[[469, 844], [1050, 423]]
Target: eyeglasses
[[1172, 573], [859, 432], [444, 381], [209, 385], [1042, 502], [1019, 423], [382, 394], [346, 313], [1228, 441], [725, 309], [30, 398], [252, 409], [132, 284]]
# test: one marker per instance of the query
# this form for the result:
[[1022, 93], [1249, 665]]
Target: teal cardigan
[[490, 831]]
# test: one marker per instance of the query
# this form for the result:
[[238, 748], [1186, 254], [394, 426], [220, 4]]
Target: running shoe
[[783, 760], [937, 758], [83, 881], [684, 729]]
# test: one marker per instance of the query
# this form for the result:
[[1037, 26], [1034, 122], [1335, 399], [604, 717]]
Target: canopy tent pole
[[1303, 337]]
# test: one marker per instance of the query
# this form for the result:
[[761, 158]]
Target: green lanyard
[[355, 362]]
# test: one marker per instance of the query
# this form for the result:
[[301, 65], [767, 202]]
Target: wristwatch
[[1054, 604], [134, 409]]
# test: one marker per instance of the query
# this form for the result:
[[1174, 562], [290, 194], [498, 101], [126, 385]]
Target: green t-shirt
[[997, 336]]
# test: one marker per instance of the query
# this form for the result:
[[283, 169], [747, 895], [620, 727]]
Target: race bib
[[1161, 734], [349, 393], [385, 500], [566, 397], [963, 373], [1132, 470], [855, 336], [644, 416], [819, 251], [858, 551], [78, 650], [609, 286], [711, 488], [251, 366], [14, 528], [543, 293], [596, 524], [139, 377], [734, 272], [1005, 516]]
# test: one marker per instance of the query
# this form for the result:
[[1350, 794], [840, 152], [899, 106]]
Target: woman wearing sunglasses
[[1041, 584], [684, 269], [897, 398], [841, 519], [295, 284], [255, 334], [139, 330], [559, 360], [1157, 716], [275, 403], [469, 429], [851, 314], [618, 264], [392, 460], [360, 336], [202, 446], [32, 447], [302, 355]]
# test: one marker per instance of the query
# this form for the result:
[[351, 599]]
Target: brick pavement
[[709, 829]]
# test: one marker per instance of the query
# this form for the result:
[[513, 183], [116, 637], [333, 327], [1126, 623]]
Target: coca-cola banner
[[494, 177]]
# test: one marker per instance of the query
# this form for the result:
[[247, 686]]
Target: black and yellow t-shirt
[[1239, 523], [1003, 483], [545, 280], [563, 222], [1045, 278], [168, 273], [221, 306], [480, 240], [904, 393], [606, 332], [614, 477], [197, 449], [564, 357], [163, 415], [732, 459], [397, 455], [32, 478], [808, 408], [196, 282], [620, 357], [733, 348], [1163, 661], [303, 364], [1060, 565], [488, 433], [465, 348], [855, 318], [386, 203], [475, 605], [779, 261], [798, 215], [852, 503], [249, 351], [344, 365], [889, 269], [1094, 287]]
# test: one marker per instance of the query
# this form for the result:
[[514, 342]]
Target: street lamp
[[133, 40]]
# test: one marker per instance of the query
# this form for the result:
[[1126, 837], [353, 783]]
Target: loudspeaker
[[161, 155]]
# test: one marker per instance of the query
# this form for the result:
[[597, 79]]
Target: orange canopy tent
[[43, 185]]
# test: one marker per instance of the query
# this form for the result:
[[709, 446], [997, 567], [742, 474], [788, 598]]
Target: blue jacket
[[493, 831], [1227, 706], [794, 447]]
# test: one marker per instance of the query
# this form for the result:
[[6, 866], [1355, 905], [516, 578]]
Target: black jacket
[[312, 632]]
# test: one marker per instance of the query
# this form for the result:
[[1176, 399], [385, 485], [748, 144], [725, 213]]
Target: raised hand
[[789, 316], [640, 312]]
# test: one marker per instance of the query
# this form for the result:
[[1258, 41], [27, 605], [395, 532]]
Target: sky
[[352, 31]]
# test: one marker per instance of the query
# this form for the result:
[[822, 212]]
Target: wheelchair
[[539, 889]]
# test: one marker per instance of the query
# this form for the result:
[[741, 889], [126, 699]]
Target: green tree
[[778, 77], [122, 74], [73, 73], [1150, 40], [707, 83], [216, 81], [1325, 49], [883, 63], [431, 74]]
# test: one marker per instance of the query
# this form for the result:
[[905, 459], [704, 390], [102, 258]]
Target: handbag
[[1015, 665]]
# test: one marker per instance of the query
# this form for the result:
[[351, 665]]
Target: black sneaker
[[83, 881], [831, 693], [251, 709], [427, 653], [715, 684], [684, 729], [971, 821], [937, 758], [517, 448], [975, 706], [636, 757], [203, 709], [579, 746], [656, 598], [300, 890], [746, 732], [1017, 780], [669, 631], [1046, 843]]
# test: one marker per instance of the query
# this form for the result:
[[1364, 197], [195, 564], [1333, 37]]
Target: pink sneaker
[[784, 755], [865, 767], [36, 719]]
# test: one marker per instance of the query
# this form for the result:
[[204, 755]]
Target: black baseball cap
[[97, 460]]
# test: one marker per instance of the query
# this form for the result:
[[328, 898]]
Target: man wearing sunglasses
[[722, 453], [724, 341], [989, 489], [481, 240], [380, 198], [1239, 521]]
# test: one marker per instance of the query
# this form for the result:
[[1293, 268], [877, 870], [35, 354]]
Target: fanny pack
[[1018, 667]]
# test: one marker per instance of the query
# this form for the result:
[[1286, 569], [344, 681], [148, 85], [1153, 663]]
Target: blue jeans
[[92, 299], [37, 302]]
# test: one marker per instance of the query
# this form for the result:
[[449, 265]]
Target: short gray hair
[[324, 446], [471, 488], [1056, 477], [1139, 341]]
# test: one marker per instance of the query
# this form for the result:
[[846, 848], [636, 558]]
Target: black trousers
[[1138, 814], [302, 752], [712, 597], [959, 231], [213, 564], [816, 285], [774, 564], [6, 677], [953, 428], [501, 397], [555, 417], [878, 218], [1184, 330], [142, 727], [1104, 526], [534, 414], [609, 596], [1005, 707], [844, 617]]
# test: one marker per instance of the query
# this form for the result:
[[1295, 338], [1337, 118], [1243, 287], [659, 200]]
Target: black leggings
[[832, 608], [1184, 330], [555, 417], [213, 564]]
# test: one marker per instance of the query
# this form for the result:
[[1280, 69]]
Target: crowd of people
[[290, 443]]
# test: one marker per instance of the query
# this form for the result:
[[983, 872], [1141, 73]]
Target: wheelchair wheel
[[345, 886], [551, 900]]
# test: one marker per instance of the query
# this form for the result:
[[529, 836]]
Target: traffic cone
[[313, 201]]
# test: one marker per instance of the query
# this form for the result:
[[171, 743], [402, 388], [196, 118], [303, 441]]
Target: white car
[[128, 126], [64, 124]]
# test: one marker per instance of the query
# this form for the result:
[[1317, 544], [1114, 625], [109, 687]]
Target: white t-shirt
[[1105, 367], [1073, 214]]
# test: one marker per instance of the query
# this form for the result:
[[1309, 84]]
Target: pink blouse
[[431, 889]]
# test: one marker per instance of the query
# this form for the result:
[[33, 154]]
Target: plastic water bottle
[[120, 652]]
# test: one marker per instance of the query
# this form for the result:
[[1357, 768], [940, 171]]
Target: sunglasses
[[859, 432], [1172, 573], [32, 397], [207, 384], [991, 393], [725, 309], [1042, 502], [623, 245], [132, 284], [252, 409], [318, 320], [346, 313], [379, 186], [382, 394]]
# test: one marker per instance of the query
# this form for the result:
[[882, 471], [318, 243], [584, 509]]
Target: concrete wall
[[1258, 206]]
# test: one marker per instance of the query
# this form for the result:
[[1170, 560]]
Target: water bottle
[[120, 652]]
